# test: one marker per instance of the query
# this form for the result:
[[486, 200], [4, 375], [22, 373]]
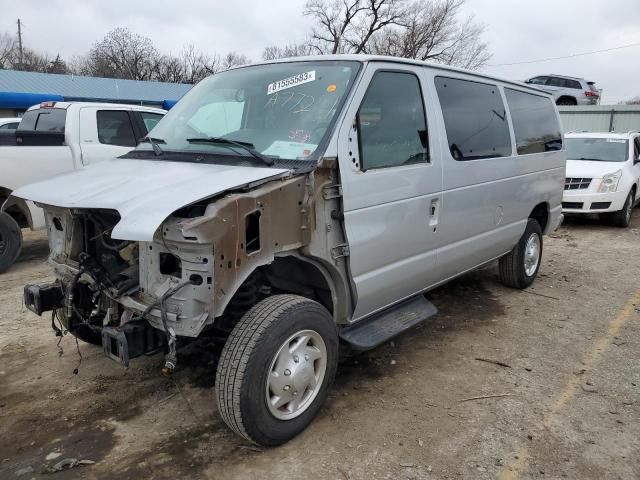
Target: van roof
[[406, 61]]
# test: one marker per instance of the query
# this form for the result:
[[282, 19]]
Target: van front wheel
[[276, 369], [518, 269]]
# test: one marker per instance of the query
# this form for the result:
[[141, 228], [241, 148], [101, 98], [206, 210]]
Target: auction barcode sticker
[[291, 82]]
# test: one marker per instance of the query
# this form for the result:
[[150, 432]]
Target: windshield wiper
[[592, 159], [229, 143], [154, 144]]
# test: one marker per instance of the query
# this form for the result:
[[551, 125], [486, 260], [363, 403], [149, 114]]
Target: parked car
[[9, 123], [291, 207], [603, 175], [54, 138], [7, 130], [567, 90]]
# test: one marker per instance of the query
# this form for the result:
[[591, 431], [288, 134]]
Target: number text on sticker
[[291, 82]]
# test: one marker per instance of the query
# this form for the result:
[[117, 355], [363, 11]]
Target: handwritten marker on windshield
[[331, 88]]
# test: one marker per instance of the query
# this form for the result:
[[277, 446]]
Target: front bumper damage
[[183, 279]]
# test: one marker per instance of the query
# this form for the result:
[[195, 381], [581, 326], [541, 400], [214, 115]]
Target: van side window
[[636, 150], [475, 119], [392, 129], [535, 122], [114, 128]]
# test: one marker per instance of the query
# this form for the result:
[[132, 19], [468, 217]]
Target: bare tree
[[192, 66], [8, 49], [347, 26], [233, 59], [169, 69], [423, 29], [292, 50], [122, 54], [632, 101], [435, 31], [197, 65]]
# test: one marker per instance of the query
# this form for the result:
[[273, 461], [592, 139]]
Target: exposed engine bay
[[207, 264]]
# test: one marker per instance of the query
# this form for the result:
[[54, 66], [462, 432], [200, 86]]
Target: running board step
[[382, 327]]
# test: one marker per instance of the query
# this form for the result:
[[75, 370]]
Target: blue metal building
[[20, 90]]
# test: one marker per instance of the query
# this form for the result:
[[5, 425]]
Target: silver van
[[292, 208]]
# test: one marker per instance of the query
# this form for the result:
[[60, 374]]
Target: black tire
[[10, 241], [246, 360], [621, 218], [512, 266], [566, 101]]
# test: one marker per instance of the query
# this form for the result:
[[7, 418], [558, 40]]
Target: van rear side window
[[535, 122], [475, 119]]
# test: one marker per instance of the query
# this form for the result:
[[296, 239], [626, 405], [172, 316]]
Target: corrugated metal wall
[[600, 118]]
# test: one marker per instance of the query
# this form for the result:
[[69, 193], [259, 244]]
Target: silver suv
[[567, 90]]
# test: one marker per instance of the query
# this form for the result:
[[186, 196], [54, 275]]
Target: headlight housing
[[610, 182]]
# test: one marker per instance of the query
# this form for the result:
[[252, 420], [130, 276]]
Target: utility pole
[[20, 42]]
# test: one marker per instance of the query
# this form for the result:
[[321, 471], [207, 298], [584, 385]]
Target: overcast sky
[[516, 31]]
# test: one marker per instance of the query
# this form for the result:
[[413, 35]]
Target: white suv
[[567, 90], [603, 170]]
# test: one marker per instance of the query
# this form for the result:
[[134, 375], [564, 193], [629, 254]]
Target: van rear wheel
[[276, 369], [518, 268]]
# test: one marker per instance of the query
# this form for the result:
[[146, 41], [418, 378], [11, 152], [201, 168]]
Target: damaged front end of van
[[135, 287], [212, 214]]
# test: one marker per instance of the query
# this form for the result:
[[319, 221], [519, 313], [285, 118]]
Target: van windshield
[[282, 111], [597, 149]]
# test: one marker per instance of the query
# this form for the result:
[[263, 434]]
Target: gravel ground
[[565, 404]]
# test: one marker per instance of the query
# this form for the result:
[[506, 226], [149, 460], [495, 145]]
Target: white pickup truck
[[57, 137]]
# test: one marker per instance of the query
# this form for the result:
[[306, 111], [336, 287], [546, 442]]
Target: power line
[[566, 56]]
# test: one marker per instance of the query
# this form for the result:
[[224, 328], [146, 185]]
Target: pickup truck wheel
[[621, 218], [276, 369], [518, 269], [10, 241]]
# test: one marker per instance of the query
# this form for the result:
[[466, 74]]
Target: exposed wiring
[[170, 358], [77, 369], [582, 54]]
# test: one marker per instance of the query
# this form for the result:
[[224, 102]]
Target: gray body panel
[[397, 247], [387, 214]]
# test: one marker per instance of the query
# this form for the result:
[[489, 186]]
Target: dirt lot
[[569, 404]]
